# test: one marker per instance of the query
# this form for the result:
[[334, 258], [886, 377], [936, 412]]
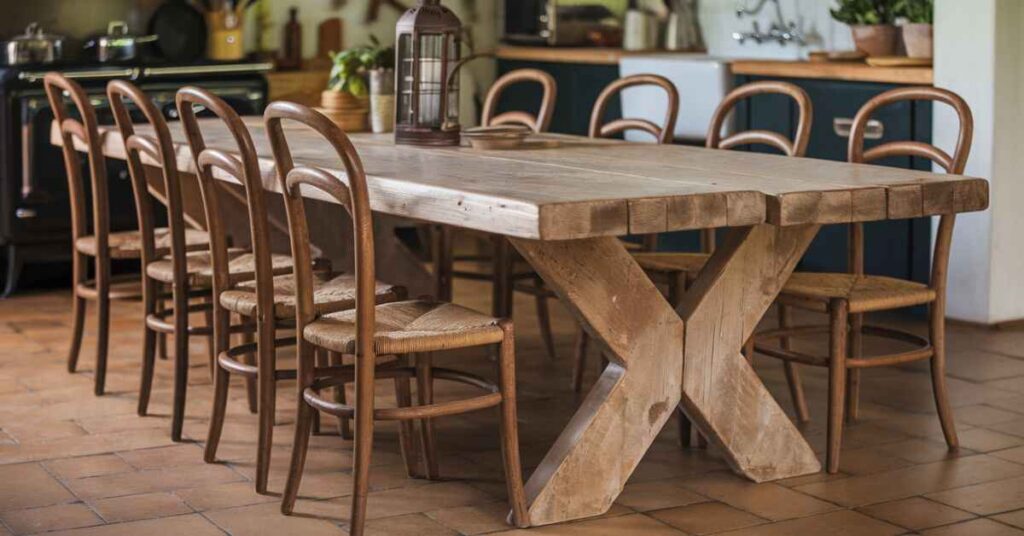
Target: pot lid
[[34, 32]]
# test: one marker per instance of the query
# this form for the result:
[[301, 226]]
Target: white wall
[[979, 53]]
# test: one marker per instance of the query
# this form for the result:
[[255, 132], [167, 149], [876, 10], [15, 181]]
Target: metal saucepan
[[34, 46], [118, 44]]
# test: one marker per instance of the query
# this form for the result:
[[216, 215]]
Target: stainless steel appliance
[[34, 208], [549, 22], [34, 46], [118, 45]]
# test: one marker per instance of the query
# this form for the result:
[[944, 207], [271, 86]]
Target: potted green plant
[[917, 30], [346, 99], [871, 22], [379, 61]]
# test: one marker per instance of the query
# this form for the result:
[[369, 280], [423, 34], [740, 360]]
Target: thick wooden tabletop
[[564, 187]]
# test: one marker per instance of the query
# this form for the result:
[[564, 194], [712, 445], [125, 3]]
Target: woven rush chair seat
[[128, 244], [408, 327], [200, 267], [331, 293], [864, 293], [690, 263]]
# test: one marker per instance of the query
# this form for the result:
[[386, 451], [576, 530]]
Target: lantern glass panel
[[431, 79], [453, 90], [406, 80]]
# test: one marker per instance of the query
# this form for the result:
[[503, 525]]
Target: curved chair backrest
[[242, 165], [663, 133], [951, 163], [158, 150], [539, 122], [85, 130], [350, 191], [795, 147]]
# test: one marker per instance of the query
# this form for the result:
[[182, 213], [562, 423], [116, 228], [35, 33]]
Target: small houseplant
[[346, 99], [917, 30], [871, 22]]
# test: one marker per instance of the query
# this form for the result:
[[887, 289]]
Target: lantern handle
[[448, 125]]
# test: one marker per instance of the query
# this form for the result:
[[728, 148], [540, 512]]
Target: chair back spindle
[[795, 147], [85, 130], [539, 122], [351, 192], [663, 133], [157, 150], [241, 163], [954, 163]]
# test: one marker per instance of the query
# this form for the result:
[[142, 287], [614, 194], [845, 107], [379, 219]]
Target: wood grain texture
[[852, 71], [570, 187], [586, 55], [590, 462], [721, 392]]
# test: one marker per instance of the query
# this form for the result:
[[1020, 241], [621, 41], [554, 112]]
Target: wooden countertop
[[857, 72], [587, 55]]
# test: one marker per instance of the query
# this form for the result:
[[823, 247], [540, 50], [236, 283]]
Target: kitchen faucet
[[781, 31]]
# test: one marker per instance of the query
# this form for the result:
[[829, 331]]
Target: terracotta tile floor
[[72, 463]]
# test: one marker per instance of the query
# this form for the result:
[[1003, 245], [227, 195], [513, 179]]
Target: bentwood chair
[[599, 128], [269, 299], [678, 269], [846, 297], [371, 331], [182, 266], [101, 245], [507, 267]]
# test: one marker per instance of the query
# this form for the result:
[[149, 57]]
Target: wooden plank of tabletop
[[571, 187]]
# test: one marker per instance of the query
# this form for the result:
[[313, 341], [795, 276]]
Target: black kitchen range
[[34, 205]]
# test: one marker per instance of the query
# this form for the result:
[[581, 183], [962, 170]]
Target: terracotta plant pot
[[875, 39], [345, 109], [918, 39]]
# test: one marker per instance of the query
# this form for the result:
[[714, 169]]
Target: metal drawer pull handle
[[24, 213], [842, 126]]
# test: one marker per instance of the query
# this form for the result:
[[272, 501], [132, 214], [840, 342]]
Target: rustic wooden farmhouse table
[[563, 201]]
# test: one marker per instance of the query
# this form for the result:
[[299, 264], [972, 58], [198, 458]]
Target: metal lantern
[[428, 52]]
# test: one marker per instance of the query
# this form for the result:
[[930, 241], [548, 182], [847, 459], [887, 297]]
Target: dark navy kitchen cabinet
[[578, 88]]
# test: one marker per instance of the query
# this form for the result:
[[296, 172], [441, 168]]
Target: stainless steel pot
[[118, 44], [34, 46]]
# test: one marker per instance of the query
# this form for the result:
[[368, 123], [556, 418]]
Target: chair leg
[[425, 396], [853, 375], [836, 381], [248, 337], [937, 328], [210, 345], [303, 429], [149, 345], [180, 361], [102, 327], [579, 359], [340, 396], [796, 387], [221, 384], [77, 316], [267, 408], [364, 446], [544, 317], [321, 360], [407, 428], [161, 338], [510, 429], [441, 243], [502, 278]]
